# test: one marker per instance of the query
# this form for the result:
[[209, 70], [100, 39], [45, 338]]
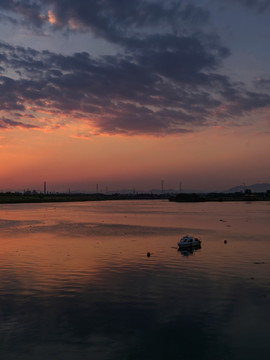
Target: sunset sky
[[126, 93]]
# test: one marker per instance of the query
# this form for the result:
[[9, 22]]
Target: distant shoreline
[[219, 197], [24, 198]]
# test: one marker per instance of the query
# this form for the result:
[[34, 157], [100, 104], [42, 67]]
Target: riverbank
[[211, 197], [28, 197], [16, 198]]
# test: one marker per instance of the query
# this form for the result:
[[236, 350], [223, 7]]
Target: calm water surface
[[75, 281]]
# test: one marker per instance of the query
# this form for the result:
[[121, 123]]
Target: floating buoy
[[148, 254]]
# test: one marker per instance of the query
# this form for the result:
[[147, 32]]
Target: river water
[[76, 282]]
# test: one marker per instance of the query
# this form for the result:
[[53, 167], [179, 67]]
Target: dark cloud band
[[165, 79]]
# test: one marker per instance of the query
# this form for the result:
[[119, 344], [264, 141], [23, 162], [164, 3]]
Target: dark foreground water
[[75, 281]]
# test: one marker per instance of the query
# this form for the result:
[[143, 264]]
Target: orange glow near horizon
[[212, 159]]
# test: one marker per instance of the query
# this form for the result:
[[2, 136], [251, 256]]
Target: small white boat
[[189, 242]]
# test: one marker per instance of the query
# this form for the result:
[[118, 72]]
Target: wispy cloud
[[258, 5], [10, 124]]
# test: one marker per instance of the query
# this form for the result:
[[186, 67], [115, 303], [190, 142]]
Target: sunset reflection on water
[[76, 277]]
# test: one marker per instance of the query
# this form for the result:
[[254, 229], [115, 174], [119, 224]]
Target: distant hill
[[254, 188]]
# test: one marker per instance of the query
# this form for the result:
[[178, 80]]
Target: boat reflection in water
[[189, 251], [188, 244]]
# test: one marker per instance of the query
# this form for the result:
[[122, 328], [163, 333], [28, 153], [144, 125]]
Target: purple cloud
[[9, 124], [164, 80]]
